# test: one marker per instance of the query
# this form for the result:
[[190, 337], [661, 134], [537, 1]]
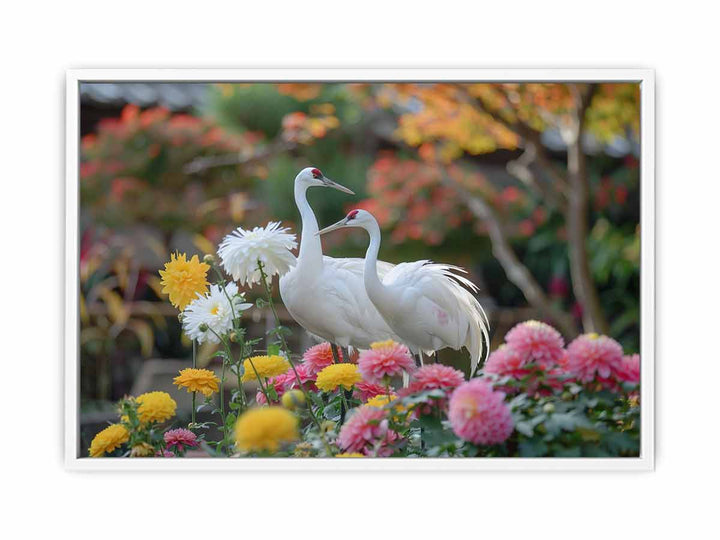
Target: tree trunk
[[577, 217], [516, 272]]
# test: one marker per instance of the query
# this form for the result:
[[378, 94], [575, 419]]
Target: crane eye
[[316, 173]]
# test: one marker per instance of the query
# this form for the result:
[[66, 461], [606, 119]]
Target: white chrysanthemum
[[241, 250], [214, 311]]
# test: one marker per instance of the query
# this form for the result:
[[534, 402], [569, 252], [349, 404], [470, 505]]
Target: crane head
[[355, 218], [310, 176]]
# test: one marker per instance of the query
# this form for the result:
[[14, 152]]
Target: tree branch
[[201, 164], [516, 272]]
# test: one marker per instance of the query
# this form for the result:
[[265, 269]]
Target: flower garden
[[535, 395]]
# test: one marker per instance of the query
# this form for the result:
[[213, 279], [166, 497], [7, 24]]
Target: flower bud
[[548, 408], [209, 259], [203, 327], [233, 337], [293, 399]]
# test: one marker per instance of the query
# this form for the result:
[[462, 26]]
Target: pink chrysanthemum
[[164, 453], [288, 381], [630, 369], [536, 342], [434, 376], [385, 359], [367, 432], [479, 414], [365, 390], [318, 357], [180, 438], [593, 357], [505, 360]]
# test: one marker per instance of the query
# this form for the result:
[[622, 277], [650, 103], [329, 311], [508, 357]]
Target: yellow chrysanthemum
[[381, 400], [350, 454], [108, 440], [198, 380], [265, 429], [334, 375], [142, 449], [155, 407], [382, 344], [183, 279], [293, 399], [266, 366]]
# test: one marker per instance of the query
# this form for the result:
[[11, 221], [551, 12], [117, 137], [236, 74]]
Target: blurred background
[[534, 188]]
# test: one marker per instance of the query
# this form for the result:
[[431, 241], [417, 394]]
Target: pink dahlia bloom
[[506, 361], [181, 439], [630, 369], [318, 357], [434, 376], [591, 357], [536, 342], [365, 390], [479, 414], [385, 359], [367, 432]]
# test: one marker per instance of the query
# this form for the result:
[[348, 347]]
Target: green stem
[[194, 365]]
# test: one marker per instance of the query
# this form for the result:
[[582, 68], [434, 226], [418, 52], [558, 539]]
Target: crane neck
[[373, 285], [310, 247]]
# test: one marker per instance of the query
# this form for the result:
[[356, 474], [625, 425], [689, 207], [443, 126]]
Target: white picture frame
[[646, 79]]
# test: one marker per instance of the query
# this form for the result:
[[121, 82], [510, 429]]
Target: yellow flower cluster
[[183, 280], [334, 375], [108, 440], [266, 366], [265, 428], [382, 400], [350, 454], [155, 407], [198, 380]]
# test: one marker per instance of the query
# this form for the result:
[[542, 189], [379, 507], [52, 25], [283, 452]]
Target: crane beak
[[339, 225], [330, 183]]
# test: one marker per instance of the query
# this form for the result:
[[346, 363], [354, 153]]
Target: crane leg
[[418, 359], [336, 355]]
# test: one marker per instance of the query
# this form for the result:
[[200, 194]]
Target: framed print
[[366, 269]]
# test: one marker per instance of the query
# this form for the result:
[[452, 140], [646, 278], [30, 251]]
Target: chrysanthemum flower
[[334, 375], [164, 453], [241, 250], [265, 366], [432, 376], [536, 342], [630, 369], [265, 428], [180, 438], [183, 280], [591, 357], [108, 440], [367, 432], [142, 449], [198, 380], [365, 390], [479, 414], [383, 360], [155, 407], [210, 316], [505, 360], [319, 356]]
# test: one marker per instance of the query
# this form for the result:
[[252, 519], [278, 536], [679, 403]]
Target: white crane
[[325, 295], [428, 305]]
